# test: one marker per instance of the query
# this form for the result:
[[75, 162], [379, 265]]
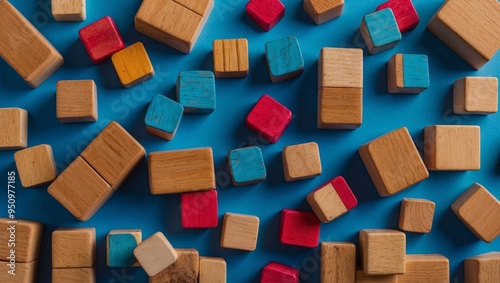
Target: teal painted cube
[[196, 91], [380, 31], [284, 59], [163, 117], [120, 245], [246, 166], [408, 73]]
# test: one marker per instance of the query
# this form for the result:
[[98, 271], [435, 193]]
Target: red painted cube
[[299, 228], [199, 209], [266, 13], [276, 272], [405, 13], [268, 118], [101, 39]]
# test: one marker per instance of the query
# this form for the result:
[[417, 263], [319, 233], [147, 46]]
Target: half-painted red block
[[268, 118], [199, 209], [405, 13], [101, 39], [276, 272], [299, 228], [266, 13]]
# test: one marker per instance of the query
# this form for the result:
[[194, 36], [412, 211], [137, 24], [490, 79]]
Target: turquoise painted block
[[415, 71], [121, 250], [246, 166], [383, 29], [284, 59], [196, 91], [163, 116]]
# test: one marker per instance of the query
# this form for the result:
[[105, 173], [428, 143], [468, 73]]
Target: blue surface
[[196, 91], [164, 114], [247, 165], [284, 56], [121, 250], [415, 71], [133, 206], [383, 28]]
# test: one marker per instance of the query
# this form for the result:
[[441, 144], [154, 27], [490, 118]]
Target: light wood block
[[73, 247], [484, 268], [408, 73], [76, 101], [212, 270], [24, 48], [340, 68], [479, 210], [132, 65], [80, 275], [120, 245], [338, 262], [239, 232], [163, 117], [380, 31], [155, 254], [382, 251], [196, 91], [301, 161], [101, 39], [332, 199], [36, 165], [452, 148], [277, 272], [284, 59], [27, 242], [13, 128], [362, 277], [471, 29], [299, 228], [268, 118], [340, 108], [266, 13], [322, 11], [69, 10], [184, 269], [230, 58], [416, 215], [475, 95], [422, 268], [246, 166], [200, 209], [405, 13], [393, 162], [24, 272]]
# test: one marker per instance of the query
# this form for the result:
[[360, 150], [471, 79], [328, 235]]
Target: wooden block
[[176, 23], [246, 166], [239, 232], [340, 108], [181, 171], [332, 199], [81, 275], [155, 254], [277, 272], [27, 241], [13, 128], [120, 245], [24, 48], [416, 215], [405, 13], [114, 153], [132, 65], [452, 148], [200, 209], [425, 268], [408, 73], [284, 59], [338, 262], [266, 13], [196, 91], [24, 272], [393, 162], [323, 11], [380, 31], [301, 161], [36, 165], [340, 68], [479, 210], [268, 118], [73, 247], [299, 228], [101, 39], [69, 10], [163, 117], [212, 270], [362, 277], [230, 58], [484, 268], [471, 29], [382, 251], [475, 95], [76, 101], [80, 189], [184, 269]]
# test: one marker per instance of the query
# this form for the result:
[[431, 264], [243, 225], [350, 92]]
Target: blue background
[[132, 206]]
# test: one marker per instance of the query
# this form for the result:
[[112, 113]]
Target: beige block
[[383, 251], [484, 268], [338, 262], [36, 165], [416, 215], [340, 67], [239, 232], [13, 128], [76, 101], [301, 161], [73, 247]]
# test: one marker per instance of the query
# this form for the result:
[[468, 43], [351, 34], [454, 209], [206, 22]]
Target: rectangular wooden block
[[299, 228], [120, 245], [132, 65], [408, 73], [27, 241], [301, 161], [416, 215], [239, 232], [76, 101], [36, 165], [277, 272], [422, 268], [230, 58], [163, 117], [184, 269], [101, 39], [212, 270], [73, 247], [13, 128], [338, 262], [322, 11], [69, 10], [268, 118], [405, 13], [200, 209], [484, 268], [475, 95], [284, 59], [24, 48], [380, 31], [24, 272], [362, 277], [340, 68], [383, 251], [80, 275], [155, 254], [246, 166], [332, 199], [340, 108], [196, 91]]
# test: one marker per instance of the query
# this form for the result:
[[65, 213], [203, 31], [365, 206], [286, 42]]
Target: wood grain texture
[[200, 7], [284, 59], [212, 270], [301, 161], [36, 165], [277, 272], [362, 277], [80, 275], [338, 262], [268, 118], [163, 117], [332, 199], [120, 245], [185, 269], [76, 101], [475, 95], [73, 247], [246, 166], [25, 272], [416, 215], [425, 268], [395, 77], [239, 231], [322, 11], [181, 171], [405, 13], [196, 91], [101, 39], [69, 10], [340, 67], [155, 254], [340, 108], [230, 58], [380, 31], [266, 13], [13, 128], [408, 73], [299, 228], [200, 209], [382, 251], [28, 240], [482, 268], [132, 65]]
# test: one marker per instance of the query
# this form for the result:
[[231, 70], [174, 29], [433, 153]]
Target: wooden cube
[[471, 29], [266, 13], [155, 254], [301, 161], [230, 58], [246, 166], [393, 162], [268, 118], [408, 73], [405, 13], [299, 228], [199, 209], [76, 101], [163, 117], [28, 237], [425, 268], [101, 39], [120, 245], [340, 68], [132, 65], [277, 272], [323, 11], [81, 275], [239, 232], [475, 95], [340, 108], [212, 270], [177, 24], [382, 251], [19, 272], [36, 165], [452, 148], [332, 199], [380, 31], [184, 269], [479, 210], [13, 128], [338, 262], [484, 268], [416, 215], [196, 91], [362, 277], [73, 247], [284, 59], [69, 10], [181, 171]]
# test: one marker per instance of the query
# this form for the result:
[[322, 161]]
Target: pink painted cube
[[276, 272], [268, 118], [101, 39], [299, 228], [405, 13], [199, 209], [266, 13]]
